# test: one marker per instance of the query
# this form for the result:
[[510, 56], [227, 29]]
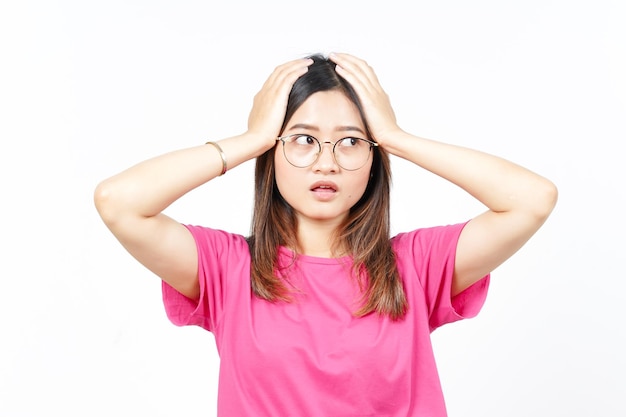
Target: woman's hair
[[364, 233]]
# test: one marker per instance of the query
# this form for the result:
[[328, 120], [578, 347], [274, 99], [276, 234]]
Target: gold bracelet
[[222, 155]]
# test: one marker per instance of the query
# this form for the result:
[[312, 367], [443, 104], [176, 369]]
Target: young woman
[[319, 312]]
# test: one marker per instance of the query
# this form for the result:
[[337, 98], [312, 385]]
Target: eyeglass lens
[[303, 150]]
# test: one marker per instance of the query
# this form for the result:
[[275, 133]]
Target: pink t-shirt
[[313, 357]]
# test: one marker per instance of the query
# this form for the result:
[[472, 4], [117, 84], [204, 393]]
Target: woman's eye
[[304, 140], [350, 142]]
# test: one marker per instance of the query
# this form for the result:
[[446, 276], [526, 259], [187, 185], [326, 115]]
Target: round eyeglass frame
[[319, 147]]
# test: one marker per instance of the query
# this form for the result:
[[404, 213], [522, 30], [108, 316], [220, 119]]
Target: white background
[[89, 88]]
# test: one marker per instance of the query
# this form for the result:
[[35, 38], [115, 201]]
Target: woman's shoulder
[[217, 238], [427, 236]]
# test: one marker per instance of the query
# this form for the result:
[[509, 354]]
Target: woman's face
[[323, 191]]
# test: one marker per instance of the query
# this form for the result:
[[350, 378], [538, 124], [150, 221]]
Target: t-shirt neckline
[[313, 259]]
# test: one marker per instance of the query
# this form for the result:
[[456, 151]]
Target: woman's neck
[[316, 238]]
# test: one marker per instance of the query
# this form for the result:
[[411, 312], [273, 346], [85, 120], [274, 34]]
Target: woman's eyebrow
[[349, 129], [306, 126]]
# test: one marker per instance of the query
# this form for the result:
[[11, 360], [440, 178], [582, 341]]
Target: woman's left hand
[[381, 119]]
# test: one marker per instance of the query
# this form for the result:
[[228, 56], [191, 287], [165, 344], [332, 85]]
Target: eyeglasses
[[302, 151]]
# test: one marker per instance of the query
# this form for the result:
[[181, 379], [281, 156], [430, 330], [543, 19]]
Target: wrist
[[387, 137], [259, 142]]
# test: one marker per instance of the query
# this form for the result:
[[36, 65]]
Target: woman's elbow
[[546, 197], [105, 202]]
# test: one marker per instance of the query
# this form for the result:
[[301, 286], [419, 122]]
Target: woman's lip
[[324, 186], [324, 190]]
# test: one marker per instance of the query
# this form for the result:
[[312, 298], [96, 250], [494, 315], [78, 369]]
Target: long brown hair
[[365, 232]]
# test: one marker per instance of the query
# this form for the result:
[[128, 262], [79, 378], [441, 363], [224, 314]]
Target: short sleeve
[[427, 256], [221, 256]]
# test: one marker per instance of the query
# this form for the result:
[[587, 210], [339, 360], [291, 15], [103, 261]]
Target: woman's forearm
[[499, 184], [149, 187]]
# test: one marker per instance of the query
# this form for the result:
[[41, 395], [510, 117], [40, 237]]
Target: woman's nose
[[326, 159]]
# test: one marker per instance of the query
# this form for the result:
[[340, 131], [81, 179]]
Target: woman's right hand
[[270, 103]]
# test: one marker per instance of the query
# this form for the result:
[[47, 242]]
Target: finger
[[356, 70], [288, 72], [277, 87], [270, 102]]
